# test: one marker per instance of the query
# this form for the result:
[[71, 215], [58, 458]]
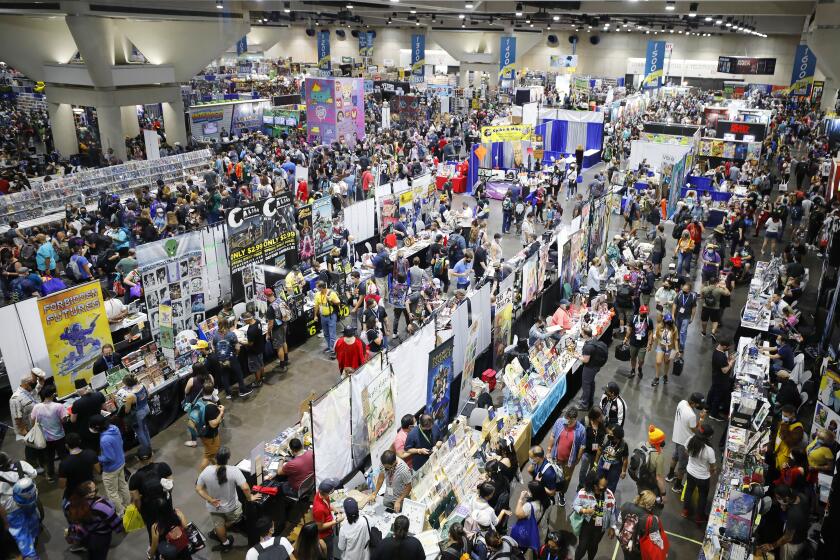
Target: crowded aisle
[[358, 311]]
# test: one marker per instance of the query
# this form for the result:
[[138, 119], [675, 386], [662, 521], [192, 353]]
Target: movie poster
[[322, 225], [440, 382], [75, 327], [306, 247], [245, 236], [530, 273], [502, 324]]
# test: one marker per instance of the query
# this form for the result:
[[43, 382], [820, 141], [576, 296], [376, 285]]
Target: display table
[[498, 189], [732, 518], [591, 158], [756, 314], [459, 184]]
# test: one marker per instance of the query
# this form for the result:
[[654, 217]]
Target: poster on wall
[[350, 109], [440, 382], [469, 356], [320, 110], [322, 225], [75, 327], [306, 246], [280, 237], [530, 279], [245, 236], [502, 326], [378, 409], [405, 110]]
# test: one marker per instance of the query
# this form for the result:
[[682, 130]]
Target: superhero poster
[[75, 328]]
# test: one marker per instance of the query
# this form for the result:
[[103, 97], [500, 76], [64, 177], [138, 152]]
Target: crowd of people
[[653, 305]]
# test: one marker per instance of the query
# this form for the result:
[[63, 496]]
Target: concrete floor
[[275, 406]]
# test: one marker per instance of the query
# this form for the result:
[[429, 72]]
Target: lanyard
[[422, 433], [685, 298]]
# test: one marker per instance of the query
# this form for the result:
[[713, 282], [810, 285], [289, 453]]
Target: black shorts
[[656, 258], [708, 314]]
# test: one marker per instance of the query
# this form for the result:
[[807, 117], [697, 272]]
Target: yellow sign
[[506, 133], [406, 198], [75, 327]]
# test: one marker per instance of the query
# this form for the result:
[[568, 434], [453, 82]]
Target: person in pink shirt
[[562, 317], [406, 425]]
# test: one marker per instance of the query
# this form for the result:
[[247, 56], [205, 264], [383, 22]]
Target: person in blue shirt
[[381, 264], [462, 269], [79, 266], [422, 440], [46, 256], [119, 237], [289, 167], [781, 356], [112, 459], [542, 470]]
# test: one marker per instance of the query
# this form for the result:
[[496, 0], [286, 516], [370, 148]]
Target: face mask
[[787, 420]]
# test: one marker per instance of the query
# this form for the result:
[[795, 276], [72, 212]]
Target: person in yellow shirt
[[684, 253], [326, 309], [789, 435], [295, 283]]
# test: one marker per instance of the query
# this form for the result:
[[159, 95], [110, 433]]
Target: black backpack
[[598, 353], [677, 232], [709, 299], [274, 552], [639, 467], [624, 295]]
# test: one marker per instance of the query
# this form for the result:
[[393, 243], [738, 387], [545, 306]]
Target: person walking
[[217, 485], [701, 467], [646, 522], [268, 542], [612, 404], [639, 337], [169, 537], [682, 310], [712, 293], [593, 356], [112, 459], [718, 395], [93, 521], [613, 458], [665, 340], [595, 502], [686, 424], [566, 447], [136, 408], [596, 434], [50, 415]]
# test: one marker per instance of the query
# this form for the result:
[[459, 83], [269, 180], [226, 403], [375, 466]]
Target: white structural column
[[110, 130], [823, 38], [94, 38], [173, 122], [130, 124], [63, 128]]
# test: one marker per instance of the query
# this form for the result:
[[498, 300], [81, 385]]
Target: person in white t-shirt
[[116, 311], [685, 426], [701, 467], [265, 528]]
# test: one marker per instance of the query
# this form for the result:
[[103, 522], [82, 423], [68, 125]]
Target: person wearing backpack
[[566, 447], [269, 547], [93, 521], [711, 295], [226, 352], [507, 212], [206, 416], [636, 521], [24, 523], [648, 465], [501, 547], [595, 503], [624, 301], [169, 537], [593, 356], [148, 488], [326, 311]]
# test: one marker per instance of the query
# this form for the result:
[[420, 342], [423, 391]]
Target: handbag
[[622, 352], [132, 520], [526, 532], [119, 288], [35, 437], [678, 367], [576, 521], [136, 290], [654, 546]]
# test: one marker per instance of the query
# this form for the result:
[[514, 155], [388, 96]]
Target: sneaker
[[640, 373], [212, 534], [40, 470], [676, 489], [321, 334], [665, 380], [284, 368], [670, 477], [562, 500], [191, 443], [331, 355], [78, 548], [257, 384], [654, 383], [228, 396], [630, 375], [247, 392]]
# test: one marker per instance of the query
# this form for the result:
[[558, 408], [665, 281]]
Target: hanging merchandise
[[440, 382]]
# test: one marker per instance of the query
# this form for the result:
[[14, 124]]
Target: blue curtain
[[594, 136], [559, 131], [497, 152], [472, 172]]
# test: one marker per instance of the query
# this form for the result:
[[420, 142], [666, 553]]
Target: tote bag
[[35, 437], [654, 546], [526, 532]]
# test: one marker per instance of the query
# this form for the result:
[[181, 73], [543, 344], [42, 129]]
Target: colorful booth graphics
[[335, 109], [208, 121]]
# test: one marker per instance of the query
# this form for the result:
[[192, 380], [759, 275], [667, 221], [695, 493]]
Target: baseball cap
[[643, 309], [351, 507], [613, 387], [656, 437], [328, 485], [268, 292], [80, 383], [696, 398]]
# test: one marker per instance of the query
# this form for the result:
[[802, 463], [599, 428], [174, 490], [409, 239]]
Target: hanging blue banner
[[324, 53], [362, 44], [242, 46], [507, 57], [654, 64], [804, 65], [370, 37], [418, 57]]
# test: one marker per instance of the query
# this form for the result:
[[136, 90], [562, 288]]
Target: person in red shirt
[[298, 469], [695, 230], [367, 181], [322, 513], [302, 191], [350, 352]]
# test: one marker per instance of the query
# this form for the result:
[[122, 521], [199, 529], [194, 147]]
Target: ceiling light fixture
[[718, 21], [556, 18], [469, 5], [349, 6], [287, 7], [519, 9], [461, 16], [670, 5], [709, 18], [413, 10], [692, 10], [219, 4]]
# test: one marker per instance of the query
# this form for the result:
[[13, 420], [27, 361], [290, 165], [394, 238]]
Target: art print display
[[440, 382], [306, 243], [378, 406], [174, 275], [530, 279], [322, 225], [75, 327]]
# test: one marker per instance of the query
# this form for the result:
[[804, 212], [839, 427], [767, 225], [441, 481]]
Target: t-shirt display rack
[[84, 187]]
